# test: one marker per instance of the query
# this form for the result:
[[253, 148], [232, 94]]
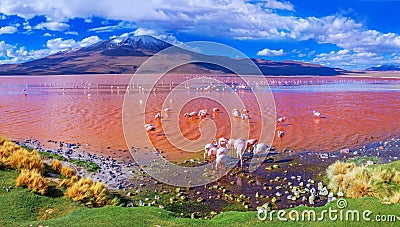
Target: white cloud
[[347, 59], [71, 33], [10, 54], [89, 41], [111, 28], [58, 44], [143, 31], [8, 30], [273, 4], [53, 26], [271, 53], [27, 26]]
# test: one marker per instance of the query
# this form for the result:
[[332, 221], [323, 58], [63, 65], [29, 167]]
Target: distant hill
[[384, 68], [125, 55]]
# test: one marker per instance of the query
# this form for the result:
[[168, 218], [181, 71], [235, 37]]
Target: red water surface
[[60, 108]]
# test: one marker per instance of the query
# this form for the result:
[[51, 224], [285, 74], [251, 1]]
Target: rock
[[324, 156]]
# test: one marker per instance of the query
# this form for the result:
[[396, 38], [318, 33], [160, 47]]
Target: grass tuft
[[381, 181], [33, 179], [92, 194]]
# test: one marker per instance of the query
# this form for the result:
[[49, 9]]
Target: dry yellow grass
[[16, 157], [396, 178], [395, 198], [356, 183], [92, 194], [65, 183], [31, 167], [338, 168], [67, 171], [56, 165], [359, 181], [33, 179]]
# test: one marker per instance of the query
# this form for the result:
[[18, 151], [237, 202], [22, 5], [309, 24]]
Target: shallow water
[[88, 110]]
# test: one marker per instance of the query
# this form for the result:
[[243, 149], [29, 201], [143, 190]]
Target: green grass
[[51, 156], [363, 160], [20, 207], [152, 216], [89, 166]]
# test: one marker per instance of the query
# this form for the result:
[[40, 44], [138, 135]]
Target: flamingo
[[281, 119], [231, 142], [221, 157], [207, 148], [244, 116], [158, 116], [236, 113], [316, 113], [149, 127], [260, 148], [281, 133], [240, 146], [212, 153], [250, 144], [222, 142], [166, 110], [191, 114], [215, 110], [202, 113]]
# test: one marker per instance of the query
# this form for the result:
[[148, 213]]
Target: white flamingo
[[316, 113], [222, 142], [149, 127], [244, 116], [281, 133], [281, 119], [215, 110], [158, 116], [207, 148], [202, 113], [240, 146], [221, 158], [236, 113], [260, 148]]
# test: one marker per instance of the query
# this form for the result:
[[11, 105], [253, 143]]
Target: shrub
[[65, 183], [92, 194], [33, 179], [381, 181], [67, 171], [56, 165], [17, 157]]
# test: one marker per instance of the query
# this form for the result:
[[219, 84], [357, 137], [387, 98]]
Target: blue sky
[[344, 34]]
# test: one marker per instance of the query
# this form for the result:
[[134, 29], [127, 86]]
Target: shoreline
[[266, 183]]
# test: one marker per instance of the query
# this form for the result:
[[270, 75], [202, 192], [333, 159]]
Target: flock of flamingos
[[218, 150]]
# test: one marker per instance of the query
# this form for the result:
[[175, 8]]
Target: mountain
[[384, 68], [125, 55]]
